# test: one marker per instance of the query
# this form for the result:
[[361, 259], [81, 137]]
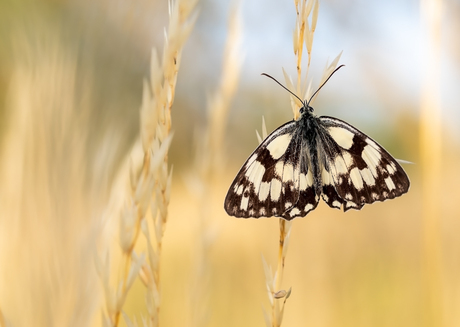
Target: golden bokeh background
[[71, 80]]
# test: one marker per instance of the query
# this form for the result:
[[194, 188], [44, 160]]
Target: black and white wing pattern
[[275, 180], [355, 169], [310, 158]]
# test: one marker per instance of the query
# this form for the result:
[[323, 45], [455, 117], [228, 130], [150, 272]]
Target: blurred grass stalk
[[52, 193], [430, 150], [151, 184], [209, 163]]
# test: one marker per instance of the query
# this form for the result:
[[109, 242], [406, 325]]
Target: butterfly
[[311, 158]]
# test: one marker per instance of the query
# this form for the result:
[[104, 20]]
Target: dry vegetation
[[94, 231], [146, 205]]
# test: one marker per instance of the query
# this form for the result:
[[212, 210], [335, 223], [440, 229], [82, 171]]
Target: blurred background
[[71, 76]]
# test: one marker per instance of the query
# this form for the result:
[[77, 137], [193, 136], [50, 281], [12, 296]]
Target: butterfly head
[[306, 108]]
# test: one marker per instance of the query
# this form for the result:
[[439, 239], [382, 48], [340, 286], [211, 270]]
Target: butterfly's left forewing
[[275, 180]]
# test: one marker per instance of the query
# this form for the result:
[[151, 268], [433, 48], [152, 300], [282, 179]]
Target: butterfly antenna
[[284, 87], [323, 84]]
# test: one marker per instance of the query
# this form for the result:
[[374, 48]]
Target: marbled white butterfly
[[309, 158]]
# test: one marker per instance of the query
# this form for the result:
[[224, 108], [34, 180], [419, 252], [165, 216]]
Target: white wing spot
[[342, 136], [303, 182], [340, 165], [371, 157], [367, 177], [308, 207], [390, 183], [256, 172], [244, 203], [239, 190], [294, 212], [262, 212], [347, 158], [288, 173], [275, 190], [356, 178], [309, 178], [351, 205], [390, 169], [287, 205], [249, 169], [373, 152], [278, 146], [264, 191], [393, 165], [336, 204], [348, 196], [279, 168], [377, 153]]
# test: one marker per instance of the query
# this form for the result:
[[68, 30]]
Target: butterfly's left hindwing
[[276, 180]]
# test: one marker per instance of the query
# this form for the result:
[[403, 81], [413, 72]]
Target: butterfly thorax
[[308, 122], [310, 129]]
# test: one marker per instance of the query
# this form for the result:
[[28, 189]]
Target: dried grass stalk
[[303, 32], [303, 35], [151, 183], [273, 282], [182, 20]]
